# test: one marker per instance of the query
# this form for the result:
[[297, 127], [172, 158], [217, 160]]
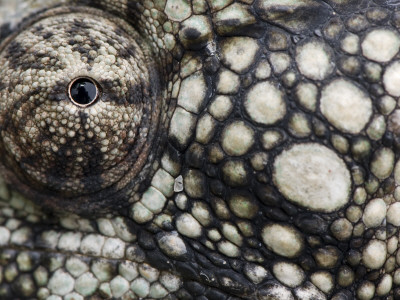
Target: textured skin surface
[[98, 149], [266, 164]]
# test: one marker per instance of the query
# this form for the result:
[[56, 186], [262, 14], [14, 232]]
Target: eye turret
[[79, 109]]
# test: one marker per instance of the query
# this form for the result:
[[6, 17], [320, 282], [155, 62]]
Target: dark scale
[[83, 91]]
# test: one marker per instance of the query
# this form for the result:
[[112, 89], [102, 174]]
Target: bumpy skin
[[265, 164]]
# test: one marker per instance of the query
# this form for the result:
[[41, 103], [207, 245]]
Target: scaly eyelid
[[68, 151]]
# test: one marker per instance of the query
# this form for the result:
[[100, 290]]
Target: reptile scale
[[205, 149]]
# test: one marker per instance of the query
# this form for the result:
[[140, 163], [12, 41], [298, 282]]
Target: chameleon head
[[78, 114]]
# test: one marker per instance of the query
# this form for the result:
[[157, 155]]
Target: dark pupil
[[83, 91]]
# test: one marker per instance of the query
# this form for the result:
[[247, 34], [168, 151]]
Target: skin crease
[[238, 150]]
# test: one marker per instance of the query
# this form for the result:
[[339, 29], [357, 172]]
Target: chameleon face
[[200, 150]]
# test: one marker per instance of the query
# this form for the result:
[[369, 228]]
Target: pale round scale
[[312, 176], [345, 105]]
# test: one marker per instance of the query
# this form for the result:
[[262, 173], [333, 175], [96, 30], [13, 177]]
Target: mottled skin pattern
[[262, 158]]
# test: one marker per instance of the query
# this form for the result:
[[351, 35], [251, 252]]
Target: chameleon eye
[[83, 91], [79, 109]]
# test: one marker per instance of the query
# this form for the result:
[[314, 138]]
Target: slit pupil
[[83, 91]]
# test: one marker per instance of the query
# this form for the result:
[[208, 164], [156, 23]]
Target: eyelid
[[80, 153]]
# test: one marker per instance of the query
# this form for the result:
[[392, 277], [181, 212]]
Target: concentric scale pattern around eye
[[177, 149], [81, 112]]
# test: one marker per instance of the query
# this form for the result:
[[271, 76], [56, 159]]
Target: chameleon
[[208, 149]]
